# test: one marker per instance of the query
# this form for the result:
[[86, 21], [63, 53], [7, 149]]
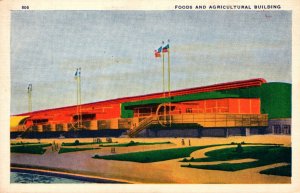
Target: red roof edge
[[209, 88]]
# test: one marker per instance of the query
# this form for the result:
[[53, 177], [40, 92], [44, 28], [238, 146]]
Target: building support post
[[226, 132]]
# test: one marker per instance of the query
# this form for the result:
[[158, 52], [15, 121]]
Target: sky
[[115, 50]]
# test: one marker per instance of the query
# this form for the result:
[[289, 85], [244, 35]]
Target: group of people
[[183, 142], [97, 140]]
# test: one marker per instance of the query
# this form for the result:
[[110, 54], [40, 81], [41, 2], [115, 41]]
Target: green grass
[[279, 171], [132, 143], [155, 155], [82, 143], [255, 152], [68, 150], [30, 148], [228, 166], [264, 154], [24, 143]]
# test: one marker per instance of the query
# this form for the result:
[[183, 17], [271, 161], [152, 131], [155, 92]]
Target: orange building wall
[[110, 109], [228, 105], [65, 115], [104, 111]]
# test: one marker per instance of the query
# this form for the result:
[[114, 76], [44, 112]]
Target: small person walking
[[113, 150], [189, 142], [56, 147], [53, 146], [182, 142]]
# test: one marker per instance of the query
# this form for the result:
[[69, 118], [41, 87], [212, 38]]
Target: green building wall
[[275, 99]]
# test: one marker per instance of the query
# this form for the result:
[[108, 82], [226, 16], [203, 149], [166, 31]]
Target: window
[[46, 128], [277, 129], [40, 121], [189, 110], [85, 117], [286, 129]]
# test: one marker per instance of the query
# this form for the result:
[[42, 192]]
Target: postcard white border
[[6, 6]]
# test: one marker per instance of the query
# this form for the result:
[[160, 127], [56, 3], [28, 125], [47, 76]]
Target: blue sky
[[115, 50]]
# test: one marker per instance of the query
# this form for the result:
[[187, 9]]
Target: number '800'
[[25, 7]]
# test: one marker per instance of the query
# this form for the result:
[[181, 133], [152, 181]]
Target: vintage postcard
[[138, 96]]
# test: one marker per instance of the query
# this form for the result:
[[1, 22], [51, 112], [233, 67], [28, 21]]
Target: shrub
[[232, 143], [76, 142], [131, 142], [243, 142], [239, 148], [67, 150], [192, 159], [184, 160], [33, 149]]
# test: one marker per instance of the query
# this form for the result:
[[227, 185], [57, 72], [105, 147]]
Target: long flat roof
[[209, 88]]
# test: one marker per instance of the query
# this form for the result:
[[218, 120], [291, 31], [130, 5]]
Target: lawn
[[265, 155], [279, 171], [132, 143], [29, 148], [68, 150], [82, 143], [226, 154], [24, 143], [155, 155]]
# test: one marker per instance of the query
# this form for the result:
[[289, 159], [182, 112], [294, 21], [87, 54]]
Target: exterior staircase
[[142, 125]]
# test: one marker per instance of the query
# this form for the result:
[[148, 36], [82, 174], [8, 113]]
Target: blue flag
[[159, 49]]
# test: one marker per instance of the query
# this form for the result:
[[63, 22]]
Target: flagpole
[[163, 71], [77, 97], [29, 97], [80, 117], [169, 82]]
